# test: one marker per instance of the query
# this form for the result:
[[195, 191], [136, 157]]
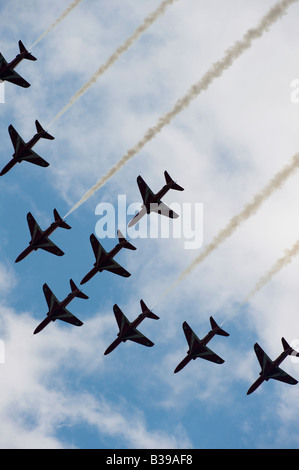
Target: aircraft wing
[[44, 242], [27, 154], [262, 357], [146, 193], [12, 76], [137, 217], [133, 333], [2, 61], [98, 250], [195, 345], [137, 337], [64, 315], [209, 355], [115, 268], [17, 141], [121, 318], [191, 337], [35, 230], [32, 157], [275, 373], [51, 300], [47, 245], [162, 209], [282, 376]]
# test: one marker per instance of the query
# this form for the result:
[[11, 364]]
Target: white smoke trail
[[215, 71], [56, 22], [280, 264], [148, 21], [248, 211]]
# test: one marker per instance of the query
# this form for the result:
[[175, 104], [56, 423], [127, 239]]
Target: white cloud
[[36, 400], [222, 149]]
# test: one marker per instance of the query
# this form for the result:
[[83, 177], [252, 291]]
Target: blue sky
[[58, 390]]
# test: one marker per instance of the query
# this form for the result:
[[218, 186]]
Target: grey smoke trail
[[149, 20], [56, 22], [215, 71], [248, 211]]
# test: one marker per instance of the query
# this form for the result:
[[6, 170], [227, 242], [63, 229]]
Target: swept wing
[[121, 318], [17, 141], [99, 251], [51, 300], [33, 157], [282, 376], [138, 337], [65, 315], [34, 228], [114, 267], [12, 76], [47, 245], [206, 353], [162, 209], [3, 62], [146, 193], [137, 217], [264, 360]]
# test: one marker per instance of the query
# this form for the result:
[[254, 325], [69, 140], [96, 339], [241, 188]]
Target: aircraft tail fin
[[28, 56], [126, 244], [39, 129], [219, 331], [286, 347], [78, 292], [174, 185], [147, 311], [62, 224]]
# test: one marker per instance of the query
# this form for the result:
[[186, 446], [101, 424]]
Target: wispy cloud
[[148, 21], [281, 263], [65, 13], [215, 71], [41, 410], [248, 211]]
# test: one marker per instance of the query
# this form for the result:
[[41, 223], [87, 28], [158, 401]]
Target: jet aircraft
[[104, 260], [7, 72], [39, 238], [23, 151], [270, 369], [57, 309], [152, 202], [198, 348], [128, 330]]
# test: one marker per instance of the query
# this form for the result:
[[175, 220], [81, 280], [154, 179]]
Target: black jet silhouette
[[128, 330], [7, 72], [152, 202], [39, 238]]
